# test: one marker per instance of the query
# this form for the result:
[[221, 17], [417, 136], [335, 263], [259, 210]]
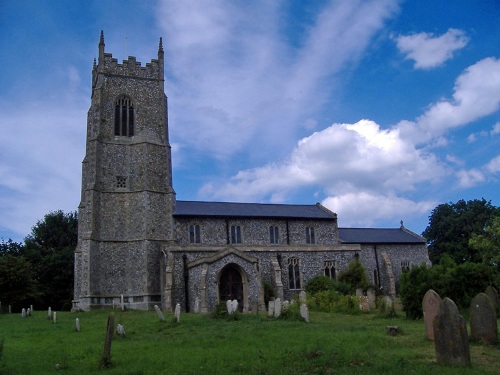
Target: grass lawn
[[254, 344]]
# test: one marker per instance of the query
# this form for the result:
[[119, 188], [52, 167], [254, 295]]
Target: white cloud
[[494, 165], [364, 208], [476, 94], [470, 178], [244, 77], [430, 51], [496, 129]]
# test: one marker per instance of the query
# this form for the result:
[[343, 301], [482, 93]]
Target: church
[[139, 246]]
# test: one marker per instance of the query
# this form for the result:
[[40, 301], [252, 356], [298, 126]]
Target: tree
[[355, 275], [50, 248], [488, 243], [452, 225], [18, 286]]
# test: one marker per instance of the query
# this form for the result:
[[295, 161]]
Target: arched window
[[124, 117], [329, 269], [294, 273]]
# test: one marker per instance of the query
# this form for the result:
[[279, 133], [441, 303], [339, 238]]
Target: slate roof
[[232, 209], [379, 235]]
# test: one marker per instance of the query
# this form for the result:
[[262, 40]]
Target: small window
[[121, 182], [329, 269], [124, 117], [294, 273], [310, 235], [194, 233], [235, 234], [274, 234], [405, 265]]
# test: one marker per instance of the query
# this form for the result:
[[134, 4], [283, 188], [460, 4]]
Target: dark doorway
[[231, 285]]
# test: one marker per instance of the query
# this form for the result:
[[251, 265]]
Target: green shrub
[[355, 275], [343, 288], [319, 283], [269, 293], [333, 301]]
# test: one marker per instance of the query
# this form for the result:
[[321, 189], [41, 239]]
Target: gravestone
[[31, 307], [451, 341], [270, 309], [122, 303], [77, 325], [178, 313], [159, 313], [492, 293], [23, 313], [285, 306], [255, 307], [234, 306], [372, 298], [106, 355], [302, 297], [229, 306], [304, 312], [430, 307], [28, 312], [49, 313], [483, 320], [364, 306], [359, 292], [387, 301], [54, 317], [120, 330], [196, 305], [10, 309], [277, 308]]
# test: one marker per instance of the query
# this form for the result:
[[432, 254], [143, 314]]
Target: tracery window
[[274, 234], [310, 238], [194, 233], [329, 269], [405, 265], [124, 117], [294, 273]]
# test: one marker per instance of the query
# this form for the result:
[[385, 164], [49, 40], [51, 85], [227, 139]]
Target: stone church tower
[[127, 199]]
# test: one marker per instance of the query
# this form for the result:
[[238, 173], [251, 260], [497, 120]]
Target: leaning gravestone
[[430, 307], [270, 310], [277, 308], [451, 341], [483, 320], [159, 313], [493, 294], [304, 312]]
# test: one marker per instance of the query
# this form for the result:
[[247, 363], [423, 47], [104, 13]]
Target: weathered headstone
[[49, 313], [493, 294], [23, 313], [77, 325], [10, 309], [364, 306], [451, 341], [270, 309], [159, 313], [122, 303], [302, 297], [277, 308], [483, 320], [197, 305], [359, 292], [234, 306], [31, 307], [430, 307], [54, 317], [106, 355], [178, 312], [286, 305], [371, 295], [229, 306], [304, 312], [120, 330], [28, 312]]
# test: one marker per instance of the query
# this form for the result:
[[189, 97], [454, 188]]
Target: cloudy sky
[[380, 110]]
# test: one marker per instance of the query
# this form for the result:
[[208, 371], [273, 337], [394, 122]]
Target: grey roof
[[379, 235], [232, 209]]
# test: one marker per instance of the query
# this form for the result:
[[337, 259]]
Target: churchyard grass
[[250, 344]]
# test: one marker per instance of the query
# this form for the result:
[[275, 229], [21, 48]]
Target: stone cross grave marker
[[304, 312], [430, 307], [178, 312], [451, 341], [270, 309], [493, 294], [159, 313], [483, 320], [277, 308]]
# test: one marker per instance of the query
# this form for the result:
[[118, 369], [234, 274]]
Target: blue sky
[[380, 110]]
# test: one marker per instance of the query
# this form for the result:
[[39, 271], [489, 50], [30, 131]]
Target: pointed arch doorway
[[231, 285]]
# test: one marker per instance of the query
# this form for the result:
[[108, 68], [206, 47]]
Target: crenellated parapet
[[131, 68]]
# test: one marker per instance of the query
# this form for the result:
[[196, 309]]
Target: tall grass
[[252, 344]]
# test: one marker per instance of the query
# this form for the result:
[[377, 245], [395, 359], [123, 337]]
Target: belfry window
[[294, 273], [124, 117]]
